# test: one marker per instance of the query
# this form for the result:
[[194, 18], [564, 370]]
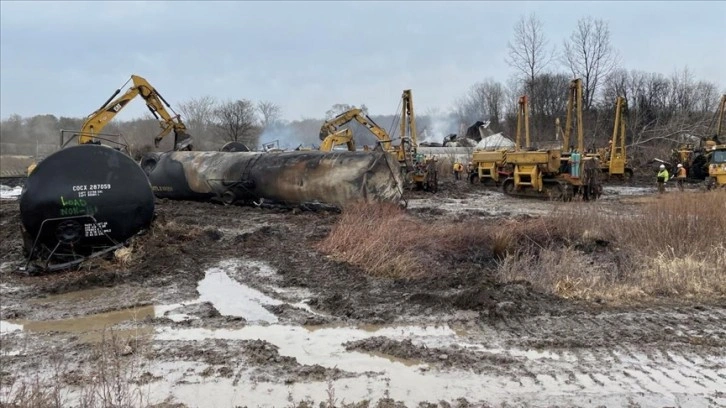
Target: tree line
[[661, 109]]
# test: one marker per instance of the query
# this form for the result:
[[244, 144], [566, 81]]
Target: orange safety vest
[[682, 172], [458, 167]]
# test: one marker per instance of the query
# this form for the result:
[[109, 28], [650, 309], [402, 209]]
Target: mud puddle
[[10, 193], [227, 295], [524, 376], [487, 203]]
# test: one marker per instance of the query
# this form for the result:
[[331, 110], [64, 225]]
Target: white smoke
[[286, 137], [440, 126]]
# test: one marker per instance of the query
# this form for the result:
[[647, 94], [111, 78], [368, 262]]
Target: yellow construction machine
[[717, 152], [340, 137], [613, 158], [557, 174], [91, 130], [418, 170], [95, 122], [489, 166]]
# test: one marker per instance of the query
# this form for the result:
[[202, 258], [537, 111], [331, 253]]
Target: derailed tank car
[[287, 178], [83, 201]]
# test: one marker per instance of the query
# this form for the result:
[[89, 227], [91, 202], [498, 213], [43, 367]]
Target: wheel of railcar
[[228, 197], [628, 176], [556, 192], [508, 186]]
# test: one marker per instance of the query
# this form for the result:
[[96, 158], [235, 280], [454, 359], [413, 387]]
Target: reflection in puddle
[[380, 375], [8, 327], [232, 298], [92, 328]]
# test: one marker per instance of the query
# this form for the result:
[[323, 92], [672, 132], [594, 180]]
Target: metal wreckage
[[89, 199]]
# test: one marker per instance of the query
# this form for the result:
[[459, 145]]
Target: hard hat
[[662, 166], [680, 165]]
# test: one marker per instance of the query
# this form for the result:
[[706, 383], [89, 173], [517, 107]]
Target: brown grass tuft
[[673, 245], [385, 241]]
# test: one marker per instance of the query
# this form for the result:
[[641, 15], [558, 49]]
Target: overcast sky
[[66, 58]]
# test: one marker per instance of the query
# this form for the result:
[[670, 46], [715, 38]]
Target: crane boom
[[522, 119], [95, 122], [574, 103]]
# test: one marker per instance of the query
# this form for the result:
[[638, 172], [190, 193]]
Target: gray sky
[[66, 58]]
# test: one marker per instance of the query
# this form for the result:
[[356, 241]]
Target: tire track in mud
[[620, 352]]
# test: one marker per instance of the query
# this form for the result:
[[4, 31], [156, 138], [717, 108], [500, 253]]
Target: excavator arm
[[154, 101], [332, 126], [340, 137]]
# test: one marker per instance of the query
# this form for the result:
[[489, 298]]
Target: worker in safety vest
[[681, 176], [662, 178], [458, 169]]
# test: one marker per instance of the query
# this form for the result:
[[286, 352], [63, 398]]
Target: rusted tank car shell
[[291, 178]]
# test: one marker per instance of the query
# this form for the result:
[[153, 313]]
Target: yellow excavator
[[717, 152], [613, 159], [557, 174], [340, 137], [331, 131], [706, 161], [418, 170], [489, 166], [91, 130], [95, 122]]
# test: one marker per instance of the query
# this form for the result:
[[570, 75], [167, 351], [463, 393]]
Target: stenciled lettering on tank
[[76, 206], [96, 230], [162, 188], [91, 190]]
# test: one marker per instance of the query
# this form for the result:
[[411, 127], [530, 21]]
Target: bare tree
[[199, 115], [589, 55], [484, 101], [339, 108], [198, 111], [238, 121], [528, 51], [270, 112]]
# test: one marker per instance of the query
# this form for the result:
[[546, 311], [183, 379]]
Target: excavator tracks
[[554, 190]]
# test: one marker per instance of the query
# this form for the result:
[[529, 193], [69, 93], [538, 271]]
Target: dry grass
[[109, 380], [673, 246], [385, 241]]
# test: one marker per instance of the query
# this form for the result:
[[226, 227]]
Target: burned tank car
[[287, 178], [81, 200]]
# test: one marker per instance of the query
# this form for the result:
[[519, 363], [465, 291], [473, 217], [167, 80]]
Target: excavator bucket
[[182, 141]]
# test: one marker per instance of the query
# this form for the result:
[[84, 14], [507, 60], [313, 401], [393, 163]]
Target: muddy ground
[[224, 306]]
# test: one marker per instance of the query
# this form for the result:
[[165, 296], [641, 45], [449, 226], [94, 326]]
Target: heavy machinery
[[613, 158], [557, 174], [698, 159], [91, 130], [341, 137], [95, 122], [717, 152], [417, 170], [489, 166]]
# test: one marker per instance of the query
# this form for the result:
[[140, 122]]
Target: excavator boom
[[340, 137], [95, 122], [332, 126]]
